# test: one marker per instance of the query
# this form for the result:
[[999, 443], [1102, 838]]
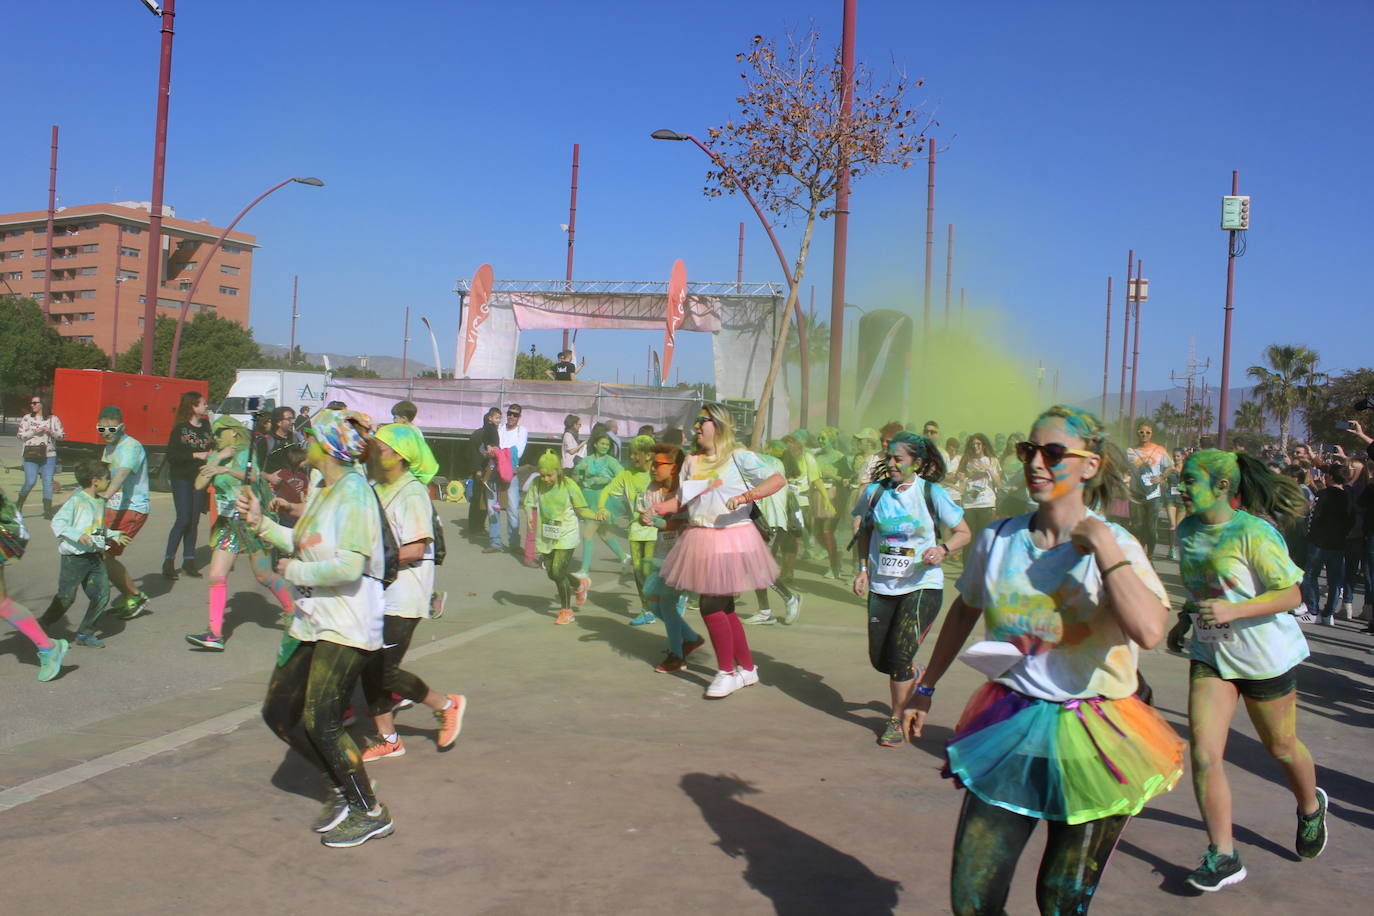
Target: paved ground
[[142, 780]]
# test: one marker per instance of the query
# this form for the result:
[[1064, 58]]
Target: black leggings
[[1145, 521], [188, 502], [989, 842], [384, 675], [558, 563], [977, 519], [897, 625], [304, 706]]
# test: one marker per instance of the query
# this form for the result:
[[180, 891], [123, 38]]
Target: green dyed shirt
[[558, 511], [631, 485]]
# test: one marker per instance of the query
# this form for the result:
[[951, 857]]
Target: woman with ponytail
[[1057, 733], [1242, 586]]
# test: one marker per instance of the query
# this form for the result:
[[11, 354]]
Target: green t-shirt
[[631, 485], [558, 528]]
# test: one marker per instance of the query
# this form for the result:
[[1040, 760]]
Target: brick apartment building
[[99, 263]]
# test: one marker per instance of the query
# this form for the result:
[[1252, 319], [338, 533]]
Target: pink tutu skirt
[[720, 561]]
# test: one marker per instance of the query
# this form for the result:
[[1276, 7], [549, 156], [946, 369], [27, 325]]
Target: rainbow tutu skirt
[[1073, 762]]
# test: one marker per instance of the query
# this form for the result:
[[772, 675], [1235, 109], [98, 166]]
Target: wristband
[[1115, 566], [925, 691], [863, 567]]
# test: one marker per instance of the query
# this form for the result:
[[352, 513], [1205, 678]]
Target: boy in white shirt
[[81, 540]]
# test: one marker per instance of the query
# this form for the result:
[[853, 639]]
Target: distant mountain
[[385, 366]]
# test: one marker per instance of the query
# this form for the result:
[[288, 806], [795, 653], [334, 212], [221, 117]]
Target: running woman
[[627, 491], [665, 465], [559, 503], [1242, 583], [721, 553], [227, 470], [593, 474], [898, 556], [831, 493], [411, 515], [1057, 734], [336, 564], [783, 517], [14, 538]]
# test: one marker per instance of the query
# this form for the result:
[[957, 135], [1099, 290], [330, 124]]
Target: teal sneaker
[[90, 641], [1312, 829], [50, 660], [892, 735], [131, 606], [643, 618], [358, 827], [1217, 871]]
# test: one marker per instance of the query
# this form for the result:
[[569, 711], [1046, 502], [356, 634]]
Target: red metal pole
[[1225, 398], [295, 289], [1135, 349], [572, 233], [739, 263], [164, 91], [1125, 341], [930, 231], [405, 345], [52, 211], [1107, 351], [118, 282], [949, 270], [837, 274]]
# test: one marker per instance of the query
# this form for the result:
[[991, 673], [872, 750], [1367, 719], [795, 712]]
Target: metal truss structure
[[716, 289]]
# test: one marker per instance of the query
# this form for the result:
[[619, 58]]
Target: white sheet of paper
[[992, 658], [691, 489]]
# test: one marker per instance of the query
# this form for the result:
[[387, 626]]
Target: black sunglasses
[[702, 420], [512, 413], [1054, 452]]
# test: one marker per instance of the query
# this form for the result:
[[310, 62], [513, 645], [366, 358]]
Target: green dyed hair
[[930, 461], [1254, 487], [1109, 484], [549, 461], [642, 445]]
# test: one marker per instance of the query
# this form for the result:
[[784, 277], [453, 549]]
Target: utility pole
[[930, 236], [1138, 295], [164, 92], [52, 211], [1235, 221], [405, 345], [961, 308], [739, 261], [949, 270], [1125, 343], [572, 233], [1107, 351], [837, 275], [295, 288]]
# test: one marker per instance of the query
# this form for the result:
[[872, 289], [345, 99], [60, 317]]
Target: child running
[[559, 503], [593, 474], [1247, 645], [80, 529], [666, 466], [14, 537], [627, 490], [408, 510]]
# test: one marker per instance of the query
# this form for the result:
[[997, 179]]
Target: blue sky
[[1075, 131]]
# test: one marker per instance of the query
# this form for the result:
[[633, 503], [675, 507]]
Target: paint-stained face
[[315, 455], [1046, 483], [640, 460], [1196, 489], [662, 469], [603, 446], [548, 478], [900, 462], [705, 429], [387, 458], [1144, 434]]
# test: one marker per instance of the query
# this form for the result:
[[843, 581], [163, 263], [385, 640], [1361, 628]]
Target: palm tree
[[1249, 416], [1290, 381], [817, 345], [1167, 420]]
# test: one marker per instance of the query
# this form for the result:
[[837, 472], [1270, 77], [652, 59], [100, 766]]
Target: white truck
[[256, 390]]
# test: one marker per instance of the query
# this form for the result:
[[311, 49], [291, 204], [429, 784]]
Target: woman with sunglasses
[[40, 432], [1057, 734], [336, 563], [1243, 585], [897, 556], [721, 553]]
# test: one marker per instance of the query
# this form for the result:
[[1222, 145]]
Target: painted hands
[[1215, 612], [914, 715], [250, 509], [1090, 535]]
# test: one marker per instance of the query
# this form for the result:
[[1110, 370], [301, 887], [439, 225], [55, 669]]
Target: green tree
[[28, 349], [532, 365], [355, 372], [1168, 421], [1336, 402], [1290, 381], [1249, 416], [213, 349], [281, 362]]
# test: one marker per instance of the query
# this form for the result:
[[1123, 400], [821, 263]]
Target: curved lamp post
[[665, 134], [200, 271]]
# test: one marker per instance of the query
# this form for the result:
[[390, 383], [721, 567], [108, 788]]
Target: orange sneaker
[[383, 748], [451, 720], [580, 596], [564, 616]]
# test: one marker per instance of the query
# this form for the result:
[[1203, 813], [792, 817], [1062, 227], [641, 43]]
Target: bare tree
[[792, 142]]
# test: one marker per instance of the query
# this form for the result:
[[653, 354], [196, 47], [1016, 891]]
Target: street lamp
[[665, 134], [200, 271], [164, 90], [434, 342]]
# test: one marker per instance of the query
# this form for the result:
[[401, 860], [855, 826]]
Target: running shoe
[[892, 734], [451, 720], [284, 620], [793, 611], [1328, 621], [1312, 829], [358, 827], [399, 703], [627, 571], [1217, 871], [437, 602], [669, 664], [189, 567], [584, 585], [565, 616], [724, 684], [643, 618], [691, 646], [748, 677], [380, 748], [206, 641], [335, 810], [89, 640], [50, 660], [1347, 610], [762, 618], [134, 606]]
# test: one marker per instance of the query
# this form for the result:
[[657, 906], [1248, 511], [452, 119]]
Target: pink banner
[[677, 311], [478, 310], [610, 311]]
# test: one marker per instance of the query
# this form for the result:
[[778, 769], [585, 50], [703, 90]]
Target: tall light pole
[[295, 288], [1240, 223], [52, 211], [164, 86], [837, 272], [1125, 343], [572, 235], [205, 263], [665, 134], [434, 342], [1107, 351]]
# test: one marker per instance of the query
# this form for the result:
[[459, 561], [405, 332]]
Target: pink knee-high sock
[[722, 639], [219, 596], [743, 658], [278, 587], [18, 616]]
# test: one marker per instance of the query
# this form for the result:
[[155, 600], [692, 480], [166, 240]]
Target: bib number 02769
[[895, 562]]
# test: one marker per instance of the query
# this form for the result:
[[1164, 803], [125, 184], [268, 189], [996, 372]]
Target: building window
[[184, 285], [128, 252], [87, 271], [15, 275], [189, 266], [127, 274], [40, 274], [228, 291], [38, 296], [187, 243], [229, 269], [90, 249], [14, 255], [87, 294], [132, 230], [40, 252], [85, 340], [230, 248]]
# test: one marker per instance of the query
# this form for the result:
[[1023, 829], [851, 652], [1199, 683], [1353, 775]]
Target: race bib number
[[1220, 632], [553, 531], [895, 562]]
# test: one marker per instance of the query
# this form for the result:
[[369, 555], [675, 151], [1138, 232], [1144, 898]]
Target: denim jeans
[[509, 506], [85, 571], [31, 471], [1334, 563], [188, 502]]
